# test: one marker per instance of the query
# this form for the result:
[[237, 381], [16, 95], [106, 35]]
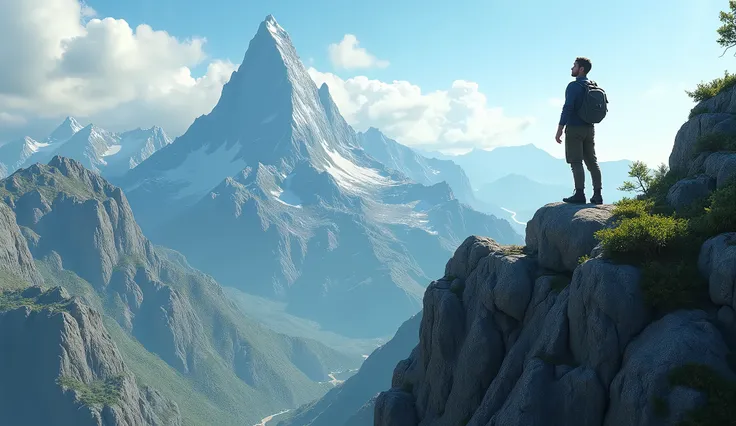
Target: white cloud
[[65, 62], [87, 11], [348, 55], [11, 120], [453, 121], [101, 69]]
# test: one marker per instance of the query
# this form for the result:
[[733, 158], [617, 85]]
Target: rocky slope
[[279, 200], [540, 337], [81, 232], [351, 403], [58, 355]]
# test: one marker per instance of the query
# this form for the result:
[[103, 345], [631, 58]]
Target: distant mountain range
[[107, 153], [502, 176]]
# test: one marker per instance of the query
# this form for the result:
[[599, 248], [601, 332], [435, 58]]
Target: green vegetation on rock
[[705, 91], [719, 408], [99, 392], [14, 299], [714, 142], [666, 244]]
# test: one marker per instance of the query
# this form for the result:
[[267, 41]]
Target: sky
[[449, 76]]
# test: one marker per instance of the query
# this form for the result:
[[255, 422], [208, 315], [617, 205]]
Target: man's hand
[[559, 134]]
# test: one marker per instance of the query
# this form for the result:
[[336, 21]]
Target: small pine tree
[[727, 31]]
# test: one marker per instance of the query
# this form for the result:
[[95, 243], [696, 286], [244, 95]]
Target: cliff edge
[[609, 315]]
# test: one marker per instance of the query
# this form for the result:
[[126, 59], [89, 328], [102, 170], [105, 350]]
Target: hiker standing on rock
[[585, 105]]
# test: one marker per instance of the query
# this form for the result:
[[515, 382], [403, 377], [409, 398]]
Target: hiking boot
[[577, 198], [597, 198]]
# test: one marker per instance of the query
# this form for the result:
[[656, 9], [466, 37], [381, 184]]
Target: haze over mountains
[[272, 194]]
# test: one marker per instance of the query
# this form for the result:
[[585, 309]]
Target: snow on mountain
[[105, 152], [65, 131], [272, 193], [13, 154]]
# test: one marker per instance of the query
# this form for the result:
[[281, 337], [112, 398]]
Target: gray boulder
[[560, 233], [717, 263], [680, 338], [686, 192], [606, 310], [721, 166], [683, 157]]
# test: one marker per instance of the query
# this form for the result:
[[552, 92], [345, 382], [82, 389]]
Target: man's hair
[[584, 62]]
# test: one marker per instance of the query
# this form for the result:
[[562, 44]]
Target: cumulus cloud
[[452, 121], [64, 63], [348, 55]]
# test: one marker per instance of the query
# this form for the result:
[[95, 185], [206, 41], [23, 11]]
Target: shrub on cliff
[[705, 91], [666, 246]]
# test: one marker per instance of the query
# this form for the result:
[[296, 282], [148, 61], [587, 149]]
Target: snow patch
[[112, 150], [351, 176], [201, 171], [35, 146], [287, 198]]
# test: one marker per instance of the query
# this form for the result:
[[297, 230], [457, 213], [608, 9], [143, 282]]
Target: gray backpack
[[594, 107]]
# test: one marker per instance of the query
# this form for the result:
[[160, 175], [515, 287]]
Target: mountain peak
[[66, 130], [270, 29]]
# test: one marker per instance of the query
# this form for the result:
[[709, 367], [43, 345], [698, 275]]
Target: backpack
[[594, 107]]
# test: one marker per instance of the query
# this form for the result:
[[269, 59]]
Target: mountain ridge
[[83, 237]]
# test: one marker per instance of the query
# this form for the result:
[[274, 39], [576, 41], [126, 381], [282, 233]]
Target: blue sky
[[645, 54]]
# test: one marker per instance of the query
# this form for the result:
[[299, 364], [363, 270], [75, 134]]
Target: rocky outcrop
[[687, 192], [59, 365], [534, 338], [560, 233], [714, 115], [63, 204], [15, 257]]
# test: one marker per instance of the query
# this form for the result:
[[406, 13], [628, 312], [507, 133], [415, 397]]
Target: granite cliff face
[[58, 355], [558, 333], [81, 234]]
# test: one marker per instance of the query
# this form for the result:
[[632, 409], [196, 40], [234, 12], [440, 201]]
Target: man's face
[[575, 69]]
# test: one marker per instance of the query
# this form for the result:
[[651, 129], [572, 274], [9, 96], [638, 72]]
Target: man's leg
[[574, 138], [591, 162]]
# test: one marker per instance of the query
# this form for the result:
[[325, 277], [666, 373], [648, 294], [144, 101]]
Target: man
[[579, 136]]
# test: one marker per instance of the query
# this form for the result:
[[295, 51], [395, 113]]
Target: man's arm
[[569, 105], [567, 109]]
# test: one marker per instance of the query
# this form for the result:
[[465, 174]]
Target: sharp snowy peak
[[24, 151], [90, 146], [272, 193], [65, 131], [15, 153], [270, 112]]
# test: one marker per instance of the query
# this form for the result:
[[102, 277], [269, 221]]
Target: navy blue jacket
[[573, 99]]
